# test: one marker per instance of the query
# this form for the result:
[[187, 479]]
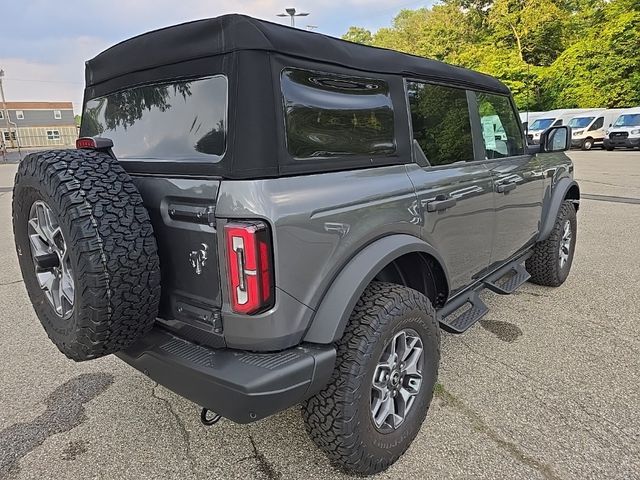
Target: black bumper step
[[465, 315], [240, 386], [510, 281]]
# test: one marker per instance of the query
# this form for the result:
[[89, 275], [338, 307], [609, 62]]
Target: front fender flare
[[331, 317], [551, 212]]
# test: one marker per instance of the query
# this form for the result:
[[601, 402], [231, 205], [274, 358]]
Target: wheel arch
[[396, 259], [565, 189]]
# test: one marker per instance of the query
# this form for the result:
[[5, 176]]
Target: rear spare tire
[[86, 250]]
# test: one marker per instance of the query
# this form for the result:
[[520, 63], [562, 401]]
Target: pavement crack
[[182, 428], [478, 424], [263, 464], [11, 283]]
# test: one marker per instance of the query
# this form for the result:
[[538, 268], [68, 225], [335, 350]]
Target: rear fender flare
[[557, 198], [335, 308]]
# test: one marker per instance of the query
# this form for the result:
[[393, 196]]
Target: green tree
[[358, 35]]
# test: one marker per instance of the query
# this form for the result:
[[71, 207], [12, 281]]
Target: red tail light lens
[[249, 266], [86, 143]]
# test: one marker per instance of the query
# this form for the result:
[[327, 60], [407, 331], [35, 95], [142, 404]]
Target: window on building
[[500, 126], [329, 115], [1, 115], [53, 135], [8, 138], [57, 114], [440, 121], [19, 114]]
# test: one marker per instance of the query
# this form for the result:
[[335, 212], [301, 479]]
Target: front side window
[[184, 120], [500, 126], [440, 122], [598, 124], [329, 115]]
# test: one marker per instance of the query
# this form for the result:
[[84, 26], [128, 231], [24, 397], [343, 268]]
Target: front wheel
[[587, 144], [552, 258], [386, 369]]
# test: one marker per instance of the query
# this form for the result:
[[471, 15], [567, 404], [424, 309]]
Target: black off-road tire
[[544, 265], [110, 243], [338, 419]]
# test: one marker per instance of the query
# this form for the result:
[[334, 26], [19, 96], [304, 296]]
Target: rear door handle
[[440, 203], [506, 187]]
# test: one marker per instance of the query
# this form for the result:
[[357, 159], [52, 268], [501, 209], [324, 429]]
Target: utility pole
[[291, 12], [4, 109]]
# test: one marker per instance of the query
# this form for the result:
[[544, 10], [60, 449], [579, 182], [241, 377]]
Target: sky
[[44, 43]]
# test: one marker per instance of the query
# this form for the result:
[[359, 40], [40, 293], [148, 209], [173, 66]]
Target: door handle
[[440, 203], [506, 187]]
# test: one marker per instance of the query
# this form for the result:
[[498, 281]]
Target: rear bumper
[[622, 142], [240, 386]]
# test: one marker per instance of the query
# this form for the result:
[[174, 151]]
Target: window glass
[[598, 124], [557, 122], [580, 122], [500, 126], [19, 114], [440, 121], [628, 120], [53, 135], [1, 115], [331, 115], [184, 120], [541, 124], [57, 114]]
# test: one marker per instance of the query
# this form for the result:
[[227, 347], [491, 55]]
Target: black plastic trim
[[241, 386]]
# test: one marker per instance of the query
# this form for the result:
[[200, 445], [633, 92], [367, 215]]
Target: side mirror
[[556, 139]]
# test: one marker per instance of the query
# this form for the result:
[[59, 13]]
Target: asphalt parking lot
[[547, 386]]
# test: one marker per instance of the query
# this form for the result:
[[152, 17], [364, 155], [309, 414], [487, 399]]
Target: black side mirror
[[556, 139]]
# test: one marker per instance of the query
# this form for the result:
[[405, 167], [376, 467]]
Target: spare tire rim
[[51, 260], [565, 244], [396, 380]]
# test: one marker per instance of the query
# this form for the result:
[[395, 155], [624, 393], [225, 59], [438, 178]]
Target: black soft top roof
[[231, 33]]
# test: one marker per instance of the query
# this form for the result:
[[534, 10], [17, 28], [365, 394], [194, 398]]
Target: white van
[[552, 118], [588, 129], [625, 131], [529, 117]]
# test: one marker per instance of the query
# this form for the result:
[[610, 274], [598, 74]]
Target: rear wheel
[[381, 389], [552, 258], [86, 250]]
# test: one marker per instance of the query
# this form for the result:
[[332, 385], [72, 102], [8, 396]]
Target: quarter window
[[330, 115], [500, 126], [440, 122]]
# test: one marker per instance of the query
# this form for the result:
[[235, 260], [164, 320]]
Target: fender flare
[[559, 193], [335, 308]]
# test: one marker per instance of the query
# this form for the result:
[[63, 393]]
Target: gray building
[[37, 124]]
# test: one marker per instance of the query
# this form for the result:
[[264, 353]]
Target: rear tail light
[[250, 267], [94, 143]]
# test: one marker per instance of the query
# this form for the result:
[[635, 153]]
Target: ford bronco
[[258, 217]]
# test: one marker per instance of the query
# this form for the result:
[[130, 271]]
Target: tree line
[[550, 53]]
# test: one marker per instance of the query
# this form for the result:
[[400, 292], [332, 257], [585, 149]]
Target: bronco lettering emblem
[[198, 258]]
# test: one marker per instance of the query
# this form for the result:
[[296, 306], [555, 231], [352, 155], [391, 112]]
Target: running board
[[464, 310], [509, 281]]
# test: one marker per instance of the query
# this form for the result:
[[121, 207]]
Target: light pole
[[291, 12], [4, 109]]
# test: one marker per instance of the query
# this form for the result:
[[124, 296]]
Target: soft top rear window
[[329, 115], [182, 120]]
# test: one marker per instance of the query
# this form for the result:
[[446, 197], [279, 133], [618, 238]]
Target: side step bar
[[467, 308]]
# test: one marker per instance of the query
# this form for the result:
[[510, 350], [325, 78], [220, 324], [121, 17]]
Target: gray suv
[[257, 217]]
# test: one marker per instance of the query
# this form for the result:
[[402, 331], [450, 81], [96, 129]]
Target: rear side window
[[329, 115], [184, 120], [440, 122], [500, 126]]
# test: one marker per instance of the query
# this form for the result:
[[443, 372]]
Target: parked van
[[625, 131], [588, 129], [552, 118], [529, 117]]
